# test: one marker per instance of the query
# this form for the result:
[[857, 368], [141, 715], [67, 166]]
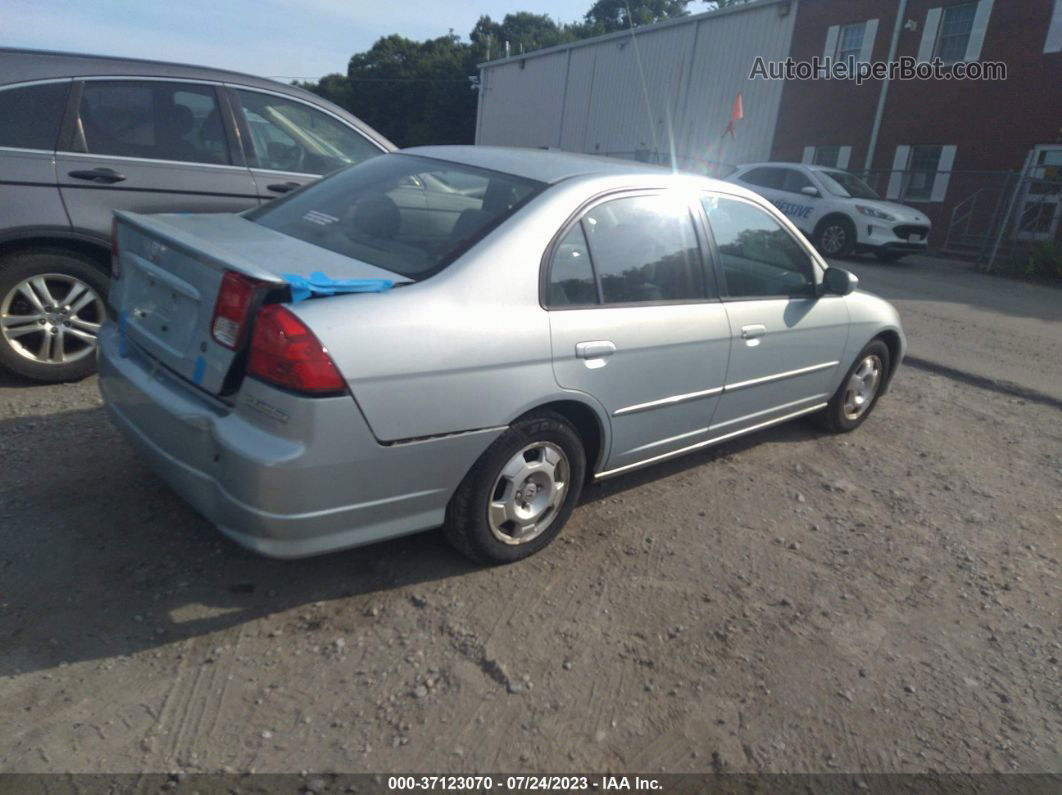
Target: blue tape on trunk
[[200, 369], [303, 287]]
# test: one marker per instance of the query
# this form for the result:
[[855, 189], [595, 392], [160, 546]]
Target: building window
[[956, 23], [850, 41], [922, 171]]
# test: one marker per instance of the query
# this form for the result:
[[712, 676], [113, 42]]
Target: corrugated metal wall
[[590, 97]]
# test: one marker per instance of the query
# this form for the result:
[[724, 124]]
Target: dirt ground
[[883, 601]]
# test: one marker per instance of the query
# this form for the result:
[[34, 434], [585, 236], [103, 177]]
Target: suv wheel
[[836, 237], [51, 308]]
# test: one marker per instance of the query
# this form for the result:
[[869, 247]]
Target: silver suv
[[82, 136]]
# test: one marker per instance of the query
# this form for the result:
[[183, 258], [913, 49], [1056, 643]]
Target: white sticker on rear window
[[319, 218]]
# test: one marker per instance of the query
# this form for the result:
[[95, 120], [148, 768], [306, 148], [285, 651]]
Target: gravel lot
[[884, 601]]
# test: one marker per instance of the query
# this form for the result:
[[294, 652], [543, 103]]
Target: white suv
[[837, 210]]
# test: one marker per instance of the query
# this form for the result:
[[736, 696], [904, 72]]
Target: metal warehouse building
[[614, 94]]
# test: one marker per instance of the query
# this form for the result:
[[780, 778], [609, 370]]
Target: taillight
[[115, 269], [232, 309], [286, 353]]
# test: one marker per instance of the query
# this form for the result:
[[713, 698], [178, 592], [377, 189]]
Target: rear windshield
[[409, 215]]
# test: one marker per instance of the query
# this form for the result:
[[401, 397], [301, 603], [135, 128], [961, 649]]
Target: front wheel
[[51, 308], [836, 237], [521, 491], [855, 398]]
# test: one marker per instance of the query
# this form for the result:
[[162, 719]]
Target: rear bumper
[[283, 475]]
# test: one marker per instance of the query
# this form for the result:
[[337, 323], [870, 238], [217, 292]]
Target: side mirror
[[838, 281], [809, 190]]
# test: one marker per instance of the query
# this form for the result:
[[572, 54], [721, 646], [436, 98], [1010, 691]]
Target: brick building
[[953, 148]]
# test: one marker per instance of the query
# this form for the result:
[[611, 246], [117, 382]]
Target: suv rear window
[[409, 215], [30, 116]]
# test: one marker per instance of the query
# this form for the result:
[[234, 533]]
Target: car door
[[30, 116], [290, 142], [635, 323], [148, 146], [786, 340], [802, 209]]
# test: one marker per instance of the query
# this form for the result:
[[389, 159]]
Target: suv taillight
[[232, 310], [286, 353]]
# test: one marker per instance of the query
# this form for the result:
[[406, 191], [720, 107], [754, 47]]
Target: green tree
[[606, 16], [524, 32]]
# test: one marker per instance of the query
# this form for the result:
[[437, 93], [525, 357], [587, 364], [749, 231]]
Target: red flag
[[737, 113]]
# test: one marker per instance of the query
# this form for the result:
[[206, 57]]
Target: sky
[[286, 39]]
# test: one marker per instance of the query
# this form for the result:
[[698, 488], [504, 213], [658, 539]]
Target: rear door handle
[[753, 331], [104, 176], [594, 349], [283, 187]]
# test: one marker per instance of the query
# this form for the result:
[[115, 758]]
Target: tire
[[851, 405], [42, 337], [835, 237], [889, 256], [482, 519]]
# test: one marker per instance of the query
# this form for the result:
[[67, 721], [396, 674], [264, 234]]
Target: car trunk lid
[[170, 271]]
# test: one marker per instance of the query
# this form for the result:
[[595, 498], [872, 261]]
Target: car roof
[[542, 165], [774, 164], [22, 66]]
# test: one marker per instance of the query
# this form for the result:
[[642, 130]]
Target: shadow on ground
[[98, 558]]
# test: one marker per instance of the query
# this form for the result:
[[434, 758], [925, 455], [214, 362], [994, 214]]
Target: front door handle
[[283, 187], [104, 176], [753, 331], [594, 349]]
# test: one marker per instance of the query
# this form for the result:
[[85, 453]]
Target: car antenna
[[645, 88]]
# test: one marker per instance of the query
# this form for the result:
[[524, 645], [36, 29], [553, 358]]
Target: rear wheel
[[836, 237], [858, 393], [521, 491], [51, 308]]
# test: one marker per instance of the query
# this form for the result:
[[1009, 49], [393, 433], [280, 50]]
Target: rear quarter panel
[[466, 349]]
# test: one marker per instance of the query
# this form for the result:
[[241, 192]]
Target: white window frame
[[844, 156], [927, 47], [1053, 41], [901, 165], [834, 38]]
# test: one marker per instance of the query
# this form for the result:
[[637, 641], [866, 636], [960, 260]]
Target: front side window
[[846, 185], [156, 120], [795, 181], [409, 215], [850, 41], [30, 116], [644, 249], [759, 258], [292, 136], [956, 23], [922, 171]]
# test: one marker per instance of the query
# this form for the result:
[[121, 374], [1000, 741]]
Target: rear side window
[[571, 280], [291, 136], [155, 120], [30, 116], [644, 250], [759, 257], [410, 215]]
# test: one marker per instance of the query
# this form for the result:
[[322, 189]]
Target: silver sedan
[[462, 337]]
